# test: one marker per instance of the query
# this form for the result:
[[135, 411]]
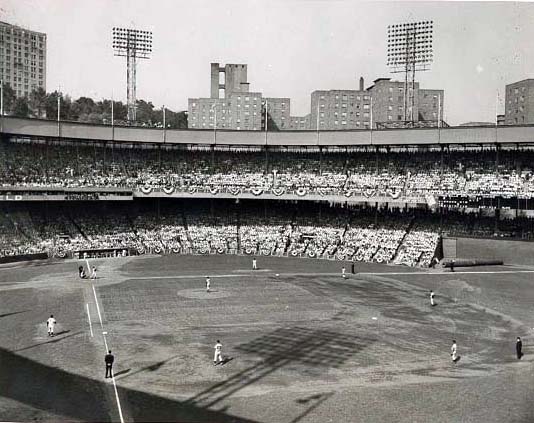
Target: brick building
[[389, 103], [519, 103], [232, 106], [22, 59]]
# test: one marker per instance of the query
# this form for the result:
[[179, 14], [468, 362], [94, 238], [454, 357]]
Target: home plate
[[374, 318]]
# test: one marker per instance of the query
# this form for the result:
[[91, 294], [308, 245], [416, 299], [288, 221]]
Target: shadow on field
[[311, 402], [80, 398], [12, 313], [152, 368], [53, 340], [285, 346]]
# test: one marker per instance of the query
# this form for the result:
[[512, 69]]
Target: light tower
[[134, 44], [410, 50]]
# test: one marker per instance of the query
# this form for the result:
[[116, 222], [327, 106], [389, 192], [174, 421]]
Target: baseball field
[[300, 342]]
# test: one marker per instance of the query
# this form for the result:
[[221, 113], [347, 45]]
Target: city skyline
[[292, 48]]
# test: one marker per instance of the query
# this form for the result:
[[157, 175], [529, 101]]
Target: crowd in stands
[[331, 233], [341, 172], [397, 236]]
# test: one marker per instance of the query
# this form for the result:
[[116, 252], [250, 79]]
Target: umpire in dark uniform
[[109, 364], [519, 348]]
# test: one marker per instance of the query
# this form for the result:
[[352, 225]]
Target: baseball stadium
[[350, 231]]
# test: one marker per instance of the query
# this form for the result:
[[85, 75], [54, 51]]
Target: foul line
[[98, 308], [348, 275], [107, 349], [89, 318], [117, 396]]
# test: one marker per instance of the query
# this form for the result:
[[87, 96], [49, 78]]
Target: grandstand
[[333, 197]]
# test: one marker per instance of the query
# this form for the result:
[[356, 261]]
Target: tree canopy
[[43, 105]]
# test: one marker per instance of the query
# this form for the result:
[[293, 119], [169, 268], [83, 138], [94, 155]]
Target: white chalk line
[[107, 349], [89, 318], [348, 275], [117, 397], [98, 308]]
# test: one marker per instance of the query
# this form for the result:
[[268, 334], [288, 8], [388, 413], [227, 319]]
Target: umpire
[[109, 364]]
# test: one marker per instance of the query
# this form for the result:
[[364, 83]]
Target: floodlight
[[133, 44]]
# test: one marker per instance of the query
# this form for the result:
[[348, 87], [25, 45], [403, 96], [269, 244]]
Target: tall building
[[519, 103], [240, 111], [300, 123], [340, 109], [278, 113], [389, 103], [235, 80], [232, 106], [22, 59]]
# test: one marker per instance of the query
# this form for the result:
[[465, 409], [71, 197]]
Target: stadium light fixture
[[410, 50], [133, 44]]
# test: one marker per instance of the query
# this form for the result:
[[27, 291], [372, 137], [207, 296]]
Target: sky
[[292, 47]]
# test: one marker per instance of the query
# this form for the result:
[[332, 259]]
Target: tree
[[145, 112], [9, 98], [176, 120], [21, 108], [37, 102], [51, 105]]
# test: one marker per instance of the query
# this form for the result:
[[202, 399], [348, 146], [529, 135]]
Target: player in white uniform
[[50, 323], [254, 264], [208, 283], [343, 272], [217, 358], [454, 350], [432, 303], [93, 272]]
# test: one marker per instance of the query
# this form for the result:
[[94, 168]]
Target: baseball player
[[254, 264], [217, 358], [454, 350], [93, 272], [208, 283], [432, 303], [50, 323], [343, 272]]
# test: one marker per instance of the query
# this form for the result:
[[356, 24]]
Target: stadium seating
[[462, 172]]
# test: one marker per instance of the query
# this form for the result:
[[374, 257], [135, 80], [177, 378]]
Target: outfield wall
[[511, 252]]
